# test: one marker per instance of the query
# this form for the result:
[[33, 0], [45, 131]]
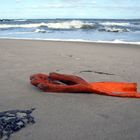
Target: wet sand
[[70, 116]]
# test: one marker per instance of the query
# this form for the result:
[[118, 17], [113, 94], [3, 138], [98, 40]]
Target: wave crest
[[40, 31], [34, 25], [75, 24], [115, 23]]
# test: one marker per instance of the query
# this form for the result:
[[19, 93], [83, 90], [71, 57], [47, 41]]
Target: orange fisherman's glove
[[55, 82]]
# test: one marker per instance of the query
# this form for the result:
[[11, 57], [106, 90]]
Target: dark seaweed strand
[[13, 120], [98, 72]]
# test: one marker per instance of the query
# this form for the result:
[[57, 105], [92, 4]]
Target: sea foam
[[115, 23], [74, 24]]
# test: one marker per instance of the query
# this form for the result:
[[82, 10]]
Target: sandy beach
[[70, 116]]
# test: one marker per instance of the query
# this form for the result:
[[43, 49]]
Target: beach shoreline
[[70, 116], [73, 40]]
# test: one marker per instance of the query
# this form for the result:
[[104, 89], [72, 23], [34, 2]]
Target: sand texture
[[70, 116]]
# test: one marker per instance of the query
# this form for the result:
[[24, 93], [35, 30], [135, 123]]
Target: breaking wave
[[34, 25], [70, 25], [115, 23], [40, 31], [45, 26], [75, 24]]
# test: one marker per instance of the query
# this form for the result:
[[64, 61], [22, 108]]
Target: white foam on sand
[[116, 41]]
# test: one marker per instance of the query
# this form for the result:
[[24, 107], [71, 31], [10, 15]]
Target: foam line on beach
[[75, 40]]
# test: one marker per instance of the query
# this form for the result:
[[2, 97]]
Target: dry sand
[[70, 116]]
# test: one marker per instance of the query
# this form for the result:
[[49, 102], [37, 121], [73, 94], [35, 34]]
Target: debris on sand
[[13, 120]]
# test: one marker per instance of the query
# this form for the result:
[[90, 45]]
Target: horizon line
[[71, 18]]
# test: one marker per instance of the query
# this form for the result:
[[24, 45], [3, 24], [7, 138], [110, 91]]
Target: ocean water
[[72, 29]]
